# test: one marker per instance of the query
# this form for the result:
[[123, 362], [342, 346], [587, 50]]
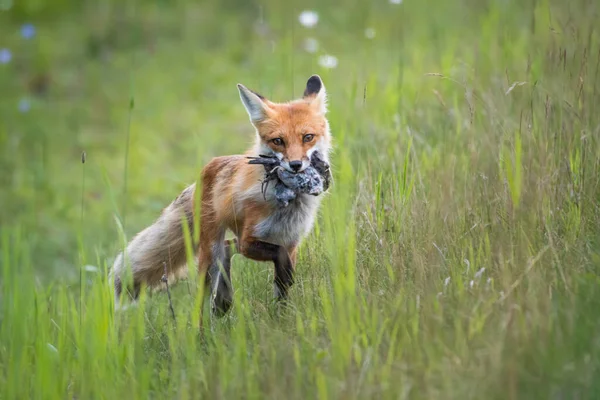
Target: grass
[[456, 256]]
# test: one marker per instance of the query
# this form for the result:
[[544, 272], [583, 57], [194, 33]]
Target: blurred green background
[[456, 256]]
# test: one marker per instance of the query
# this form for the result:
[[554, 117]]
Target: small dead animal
[[314, 180]]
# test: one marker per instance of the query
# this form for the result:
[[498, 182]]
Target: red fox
[[233, 198]]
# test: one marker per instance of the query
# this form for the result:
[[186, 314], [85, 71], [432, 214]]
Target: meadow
[[456, 255]]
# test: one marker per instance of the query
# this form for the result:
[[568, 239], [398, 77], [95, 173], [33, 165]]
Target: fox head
[[291, 131]]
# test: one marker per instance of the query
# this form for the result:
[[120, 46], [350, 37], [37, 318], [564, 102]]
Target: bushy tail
[[160, 243]]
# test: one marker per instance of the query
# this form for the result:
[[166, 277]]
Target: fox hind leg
[[131, 286], [220, 278]]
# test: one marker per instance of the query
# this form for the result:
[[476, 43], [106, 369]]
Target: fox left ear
[[254, 103], [316, 94]]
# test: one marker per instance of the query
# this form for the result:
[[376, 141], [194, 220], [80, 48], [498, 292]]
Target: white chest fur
[[288, 225]]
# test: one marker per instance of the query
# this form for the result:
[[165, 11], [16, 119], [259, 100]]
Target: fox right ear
[[316, 94], [254, 103]]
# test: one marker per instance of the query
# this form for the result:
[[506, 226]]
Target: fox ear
[[254, 103], [316, 94]]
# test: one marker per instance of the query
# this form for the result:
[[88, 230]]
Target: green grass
[[456, 256]]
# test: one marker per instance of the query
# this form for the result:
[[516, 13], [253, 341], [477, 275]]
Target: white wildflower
[[308, 18], [328, 61]]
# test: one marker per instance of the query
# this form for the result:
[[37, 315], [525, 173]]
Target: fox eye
[[308, 138], [277, 142]]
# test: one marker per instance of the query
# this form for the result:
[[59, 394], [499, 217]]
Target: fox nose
[[295, 165]]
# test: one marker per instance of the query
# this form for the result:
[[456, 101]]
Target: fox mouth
[[291, 171]]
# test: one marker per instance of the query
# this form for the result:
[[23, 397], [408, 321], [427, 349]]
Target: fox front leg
[[284, 261]]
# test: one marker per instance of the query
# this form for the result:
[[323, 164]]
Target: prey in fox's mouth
[[313, 180]]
